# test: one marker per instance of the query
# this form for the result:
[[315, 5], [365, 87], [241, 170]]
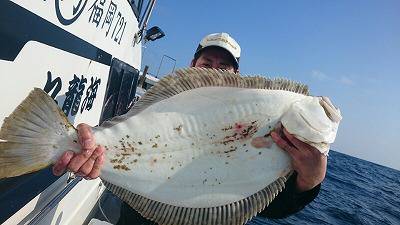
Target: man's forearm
[[289, 201]]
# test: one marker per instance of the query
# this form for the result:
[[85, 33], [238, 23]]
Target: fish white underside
[[178, 151]]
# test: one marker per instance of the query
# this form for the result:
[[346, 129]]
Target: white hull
[[62, 47]]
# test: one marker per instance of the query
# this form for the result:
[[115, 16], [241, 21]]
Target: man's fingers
[[62, 163], [292, 151], [86, 138], [278, 128], [85, 163], [87, 142], [296, 142], [96, 167], [87, 167], [299, 144], [79, 159]]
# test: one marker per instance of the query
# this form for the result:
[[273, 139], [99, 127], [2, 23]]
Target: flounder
[[195, 149]]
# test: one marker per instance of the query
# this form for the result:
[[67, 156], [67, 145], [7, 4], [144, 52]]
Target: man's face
[[216, 58]]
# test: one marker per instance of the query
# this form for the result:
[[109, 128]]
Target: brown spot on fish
[[139, 142], [242, 131], [259, 153], [179, 128], [139, 154], [127, 136], [231, 150], [227, 128], [226, 162], [157, 136], [113, 160], [168, 178], [165, 145], [135, 160], [125, 154], [155, 145], [261, 142], [172, 168], [75, 141], [152, 161], [121, 167]]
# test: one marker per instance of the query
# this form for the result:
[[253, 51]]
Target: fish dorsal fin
[[235, 213], [190, 78]]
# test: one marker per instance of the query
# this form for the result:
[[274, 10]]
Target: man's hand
[[88, 162], [307, 161]]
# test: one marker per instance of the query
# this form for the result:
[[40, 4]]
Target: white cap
[[222, 40]]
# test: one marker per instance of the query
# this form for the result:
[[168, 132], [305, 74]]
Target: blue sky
[[347, 50]]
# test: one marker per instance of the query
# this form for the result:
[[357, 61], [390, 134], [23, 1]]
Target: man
[[219, 51]]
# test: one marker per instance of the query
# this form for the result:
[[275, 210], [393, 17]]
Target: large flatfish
[[195, 149]]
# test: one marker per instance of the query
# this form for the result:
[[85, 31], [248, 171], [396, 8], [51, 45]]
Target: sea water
[[354, 191]]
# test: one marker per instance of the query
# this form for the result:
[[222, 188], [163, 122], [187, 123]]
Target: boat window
[[121, 89], [139, 7]]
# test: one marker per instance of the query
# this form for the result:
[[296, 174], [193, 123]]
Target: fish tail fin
[[34, 136]]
